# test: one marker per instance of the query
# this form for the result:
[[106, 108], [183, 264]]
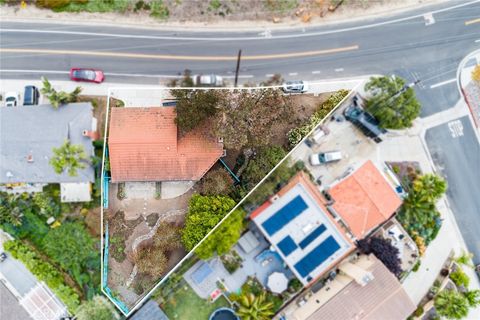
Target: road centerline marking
[[181, 57], [469, 22]]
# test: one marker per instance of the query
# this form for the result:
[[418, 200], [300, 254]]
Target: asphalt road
[[10, 309], [405, 46], [401, 44], [458, 159]]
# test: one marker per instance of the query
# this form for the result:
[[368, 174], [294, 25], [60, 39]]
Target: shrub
[[44, 271], [476, 73], [52, 4], [216, 182], [417, 266], [451, 304], [296, 135], [159, 9], [460, 278], [418, 312]]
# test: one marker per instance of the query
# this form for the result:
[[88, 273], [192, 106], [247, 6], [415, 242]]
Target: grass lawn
[[185, 304]]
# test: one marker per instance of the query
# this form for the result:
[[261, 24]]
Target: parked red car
[[88, 75]]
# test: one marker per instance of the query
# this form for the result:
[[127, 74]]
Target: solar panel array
[[287, 246], [317, 256], [283, 216]]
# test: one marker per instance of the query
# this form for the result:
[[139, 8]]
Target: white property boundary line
[[357, 82]]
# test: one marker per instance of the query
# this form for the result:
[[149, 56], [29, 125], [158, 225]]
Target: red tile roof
[[364, 200], [143, 146]]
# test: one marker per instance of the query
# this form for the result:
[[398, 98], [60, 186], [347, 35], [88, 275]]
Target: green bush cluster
[[296, 135], [44, 271], [460, 278]]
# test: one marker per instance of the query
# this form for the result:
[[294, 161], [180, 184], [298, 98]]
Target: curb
[[460, 87]]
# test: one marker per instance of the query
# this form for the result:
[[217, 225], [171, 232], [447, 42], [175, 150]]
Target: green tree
[[224, 237], [253, 307], [72, 247], [57, 98], [216, 182], [473, 297], [194, 107], [430, 187], [263, 162], [393, 110], [98, 308], [70, 157], [451, 304], [204, 212]]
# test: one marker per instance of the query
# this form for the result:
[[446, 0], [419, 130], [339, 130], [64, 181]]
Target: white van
[[317, 159]]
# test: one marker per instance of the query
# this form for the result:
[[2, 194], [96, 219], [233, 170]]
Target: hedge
[[44, 271], [296, 135]]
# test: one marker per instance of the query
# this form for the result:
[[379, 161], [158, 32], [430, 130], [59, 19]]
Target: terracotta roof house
[[144, 145], [302, 231], [364, 200], [364, 289]]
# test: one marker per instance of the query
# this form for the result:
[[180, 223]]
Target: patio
[[260, 262]]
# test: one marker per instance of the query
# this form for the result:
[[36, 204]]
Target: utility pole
[[238, 66]]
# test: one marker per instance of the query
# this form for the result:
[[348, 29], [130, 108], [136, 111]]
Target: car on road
[[3, 256], [317, 159], [12, 99], [30, 96], [297, 86], [209, 80], [87, 75]]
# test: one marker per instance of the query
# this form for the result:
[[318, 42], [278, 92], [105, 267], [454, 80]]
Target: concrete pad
[[140, 190], [173, 189]]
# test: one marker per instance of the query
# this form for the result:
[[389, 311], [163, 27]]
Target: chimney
[[91, 134]]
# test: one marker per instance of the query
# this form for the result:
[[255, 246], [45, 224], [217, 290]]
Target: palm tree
[[451, 304], [68, 157], [254, 308], [58, 98], [430, 186]]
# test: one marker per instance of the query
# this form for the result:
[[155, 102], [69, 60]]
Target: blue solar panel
[[201, 273], [317, 256], [312, 236], [283, 216], [287, 245]]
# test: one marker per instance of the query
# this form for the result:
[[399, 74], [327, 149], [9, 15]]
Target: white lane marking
[[244, 76], [316, 72], [339, 70], [429, 19], [269, 75], [456, 128], [293, 74], [296, 35], [436, 85], [477, 40]]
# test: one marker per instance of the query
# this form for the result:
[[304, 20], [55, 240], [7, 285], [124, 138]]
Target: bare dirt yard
[[132, 222]]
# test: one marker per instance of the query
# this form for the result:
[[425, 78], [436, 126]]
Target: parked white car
[[298, 86], [317, 159], [12, 99], [210, 80]]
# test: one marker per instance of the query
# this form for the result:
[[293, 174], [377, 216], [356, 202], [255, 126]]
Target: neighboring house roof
[[144, 145], [297, 224], [149, 311], [383, 297], [29, 133], [364, 200]]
